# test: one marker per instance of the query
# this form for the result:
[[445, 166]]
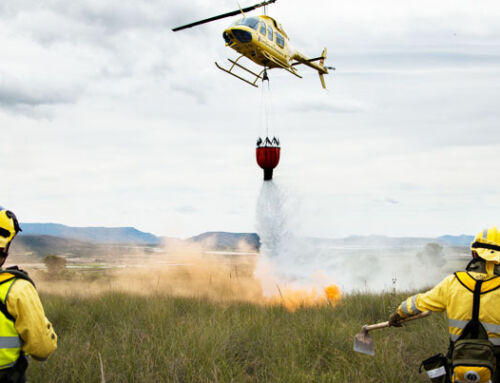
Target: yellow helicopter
[[262, 40]]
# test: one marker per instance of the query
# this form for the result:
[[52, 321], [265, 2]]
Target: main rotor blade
[[229, 14]]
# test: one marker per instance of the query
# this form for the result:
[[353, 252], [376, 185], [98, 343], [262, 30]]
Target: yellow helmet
[[487, 244], [9, 227]]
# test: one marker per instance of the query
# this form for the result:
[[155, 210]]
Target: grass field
[[160, 338], [206, 319]]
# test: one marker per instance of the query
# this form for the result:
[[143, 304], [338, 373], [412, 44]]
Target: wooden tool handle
[[376, 326]]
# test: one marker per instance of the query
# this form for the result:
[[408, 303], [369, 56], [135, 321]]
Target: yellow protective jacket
[[37, 336], [455, 295]]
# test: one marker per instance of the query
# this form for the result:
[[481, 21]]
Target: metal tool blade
[[363, 343]]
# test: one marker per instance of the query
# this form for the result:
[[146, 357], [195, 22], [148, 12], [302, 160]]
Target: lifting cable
[[267, 111]]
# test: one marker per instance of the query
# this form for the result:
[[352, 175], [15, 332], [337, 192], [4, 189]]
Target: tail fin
[[322, 79], [324, 70], [323, 57]]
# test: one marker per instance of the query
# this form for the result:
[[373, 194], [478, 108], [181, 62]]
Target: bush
[[54, 263]]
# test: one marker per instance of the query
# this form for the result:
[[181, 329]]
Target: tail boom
[[320, 66]]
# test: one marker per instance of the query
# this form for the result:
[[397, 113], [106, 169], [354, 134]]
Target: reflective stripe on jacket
[[10, 341], [455, 295]]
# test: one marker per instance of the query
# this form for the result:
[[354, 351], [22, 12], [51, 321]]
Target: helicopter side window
[[280, 40], [270, 32], [251, 22], [263, 29]]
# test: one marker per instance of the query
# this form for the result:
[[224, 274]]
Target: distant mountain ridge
[[92, 234], [456, 240], [42, 245], [383, 241], [218, 240]]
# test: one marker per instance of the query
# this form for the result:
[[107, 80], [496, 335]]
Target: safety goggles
[[479, 245]]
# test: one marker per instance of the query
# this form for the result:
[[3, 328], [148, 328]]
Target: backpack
[[436, 368], [473, 358]]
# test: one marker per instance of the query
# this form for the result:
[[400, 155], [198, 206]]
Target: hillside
[[383, 241], [42, 245], [217, 240], [38, 239], [222, 240], [92, 234], [32, 247]]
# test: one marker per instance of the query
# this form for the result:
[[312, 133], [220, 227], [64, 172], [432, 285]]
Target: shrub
[[55, 263]]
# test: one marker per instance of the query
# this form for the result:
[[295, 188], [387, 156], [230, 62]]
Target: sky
[[108, 118]]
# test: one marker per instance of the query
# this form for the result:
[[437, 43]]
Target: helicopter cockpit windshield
[[251, 22]]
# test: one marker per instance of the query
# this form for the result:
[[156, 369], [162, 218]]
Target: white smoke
[[284, 255], [291, 259]]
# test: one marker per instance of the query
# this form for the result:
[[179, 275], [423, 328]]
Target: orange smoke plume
[[333, 294], [293, 299]]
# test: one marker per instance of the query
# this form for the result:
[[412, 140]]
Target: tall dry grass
[[160, 338], [207, 320]]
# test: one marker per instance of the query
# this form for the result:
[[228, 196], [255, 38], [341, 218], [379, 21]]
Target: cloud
[[386, 201], [195, 93], [111, 16], [77, 48], [140, 116], [186, 210], [329, 106], [16, 93]]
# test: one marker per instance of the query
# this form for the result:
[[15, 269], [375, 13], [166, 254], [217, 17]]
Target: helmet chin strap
[[4, 252], [3, 256], [490, 268]]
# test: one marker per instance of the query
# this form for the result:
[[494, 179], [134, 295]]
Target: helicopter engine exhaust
[[268, 155]]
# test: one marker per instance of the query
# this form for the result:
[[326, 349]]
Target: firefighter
[[24, 329], [471, 299]]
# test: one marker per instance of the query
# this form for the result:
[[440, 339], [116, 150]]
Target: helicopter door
[[262, 28], [280, 40], [270, 32]]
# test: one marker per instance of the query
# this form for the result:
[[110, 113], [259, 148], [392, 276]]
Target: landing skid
[[235, 63]]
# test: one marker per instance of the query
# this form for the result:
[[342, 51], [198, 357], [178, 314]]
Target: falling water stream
[[288, 258]]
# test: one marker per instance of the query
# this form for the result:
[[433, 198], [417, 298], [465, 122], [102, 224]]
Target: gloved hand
[[395, 320]]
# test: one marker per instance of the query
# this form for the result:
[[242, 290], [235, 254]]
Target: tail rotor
[[323, 69]]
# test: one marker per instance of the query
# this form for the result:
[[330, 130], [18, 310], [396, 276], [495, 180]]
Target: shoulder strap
[[7, 275], [4, 311], [474, 329], [475, 308], [469, 282], [466, 280], [14, 270], [4, 278], [490, 285]]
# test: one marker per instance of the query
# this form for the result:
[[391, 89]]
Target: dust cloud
[[289, 270], [183, 270]]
